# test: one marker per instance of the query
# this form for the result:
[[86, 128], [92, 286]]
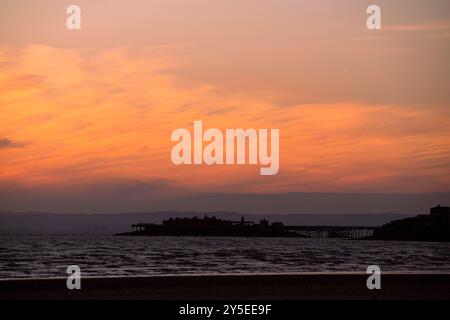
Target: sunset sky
[[88, 114]]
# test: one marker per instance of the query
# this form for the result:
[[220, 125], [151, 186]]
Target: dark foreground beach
[[237, 287]]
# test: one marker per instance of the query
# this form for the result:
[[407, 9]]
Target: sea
[[38, 256]]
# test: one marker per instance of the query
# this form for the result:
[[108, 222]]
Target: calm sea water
[[49, 256]]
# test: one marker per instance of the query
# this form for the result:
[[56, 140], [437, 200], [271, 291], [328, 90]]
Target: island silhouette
[[432, 227]]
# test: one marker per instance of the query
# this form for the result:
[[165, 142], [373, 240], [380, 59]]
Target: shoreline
[[304, 286], [240, 274]]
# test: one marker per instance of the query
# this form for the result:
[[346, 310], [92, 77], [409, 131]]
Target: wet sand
[[236, 287]]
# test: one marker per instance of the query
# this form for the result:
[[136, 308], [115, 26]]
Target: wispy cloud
[[6, 143], [417, 27], [107, 115]]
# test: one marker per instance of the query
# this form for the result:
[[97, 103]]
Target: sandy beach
[[238, 287]]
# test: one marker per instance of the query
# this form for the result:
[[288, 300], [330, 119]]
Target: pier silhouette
[[212, 226]]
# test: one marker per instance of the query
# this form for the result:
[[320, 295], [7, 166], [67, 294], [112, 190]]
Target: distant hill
[[136, 200], [109, 223]]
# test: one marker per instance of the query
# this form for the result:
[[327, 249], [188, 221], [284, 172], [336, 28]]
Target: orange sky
[[355, 113]]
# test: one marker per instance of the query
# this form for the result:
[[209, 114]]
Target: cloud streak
[[417, 27], [6, 143], [107, 115]]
